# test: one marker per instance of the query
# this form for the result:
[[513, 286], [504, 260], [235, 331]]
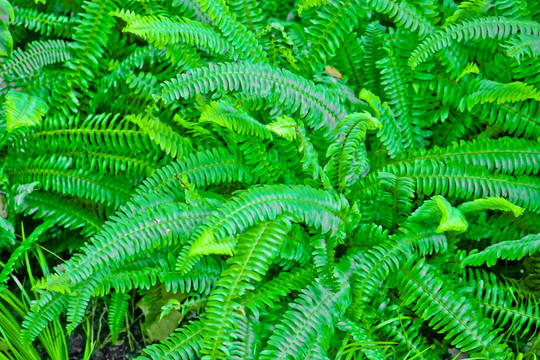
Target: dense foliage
[[292, 180]]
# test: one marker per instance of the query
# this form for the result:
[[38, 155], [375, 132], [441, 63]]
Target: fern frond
[[243, 40], [466, 182], [449, 313], [316, 208], [164, 136], [292, 92], [184, 344], [472, 8], [348, 135], [518, 119], [506, 250], [404, 14], [484, 91], [316, 308], [307, 4], [55, 173], [247, 339], [491, 203], [212, 166], [523, 46], [117, 314], [36, 55], [507, 155], [249, 13], [505, 304], [235, 119], [394, 201], [332, 21], [23, 110], [161, 31], [255, 252], [390, 133], [488, 27], [45, 24], [395, 82], [124, 237], [384, 259], [66, 213], [41, 312]]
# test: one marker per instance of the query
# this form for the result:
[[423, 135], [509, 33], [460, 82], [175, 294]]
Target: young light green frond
[[484, 91], [117, 313], [320, 106], [168, 140], [161, 31], [315, 308], [523, 46], [491, 203], [255, 251], [23, 110], [506, 250], [225, 114], [449, 313], [452, 219], [488, 27], [306, 4], [184, 344], [243, 40], [349, 134]]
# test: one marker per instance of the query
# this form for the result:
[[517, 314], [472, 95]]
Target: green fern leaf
[[316, 308], [23, 110], [184, 344], [489, 27], [319, 209], [290, 91], [224, 114], [161, 31], [506, 250], [348, 136], [117, 314], [449, 313], [255, 251]]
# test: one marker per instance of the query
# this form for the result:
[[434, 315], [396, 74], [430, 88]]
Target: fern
[[492, 27], [278, 180]]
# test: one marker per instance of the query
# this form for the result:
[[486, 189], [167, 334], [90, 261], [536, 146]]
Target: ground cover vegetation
[[319, 179]]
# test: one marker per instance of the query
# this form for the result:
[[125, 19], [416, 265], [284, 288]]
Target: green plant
[[313, 179]]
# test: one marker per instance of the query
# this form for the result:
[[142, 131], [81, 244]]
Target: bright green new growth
[[315, 179]]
